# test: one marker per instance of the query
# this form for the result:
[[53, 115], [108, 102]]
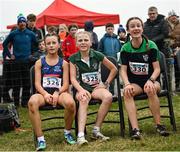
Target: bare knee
[[127, 98], [70, 105], [84, 103], [108, 99], [150, 93], [33, 104]]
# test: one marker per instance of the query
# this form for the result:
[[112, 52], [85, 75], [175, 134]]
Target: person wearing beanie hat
[[21, 19], [22, 41], [21, 22], [122, 34], [121, 29]]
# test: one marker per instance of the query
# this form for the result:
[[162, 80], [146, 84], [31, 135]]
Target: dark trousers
[[7, 80], [21, 79]]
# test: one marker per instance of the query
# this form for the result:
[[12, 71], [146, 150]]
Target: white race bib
[[51, 82], [139, 68], [91, 78]]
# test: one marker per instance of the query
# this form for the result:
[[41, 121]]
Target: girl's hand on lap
[[48, 98]]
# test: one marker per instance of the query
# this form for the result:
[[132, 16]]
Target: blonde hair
[[64, 27], [83, 32]]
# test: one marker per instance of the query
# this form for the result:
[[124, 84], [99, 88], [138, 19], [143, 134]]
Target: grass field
[[23, 140]]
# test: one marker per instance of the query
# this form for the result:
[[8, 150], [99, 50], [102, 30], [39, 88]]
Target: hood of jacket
[[157, 20], [107, 35]]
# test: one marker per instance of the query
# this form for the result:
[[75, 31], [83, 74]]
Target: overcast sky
[[9, 9]]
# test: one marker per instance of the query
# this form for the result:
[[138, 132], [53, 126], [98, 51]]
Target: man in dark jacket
[[156, 29]]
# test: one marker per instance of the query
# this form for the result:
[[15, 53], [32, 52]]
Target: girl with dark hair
[[140, 72], [51, 82]]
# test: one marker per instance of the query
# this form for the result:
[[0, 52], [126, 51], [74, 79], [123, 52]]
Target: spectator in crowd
[[156, 29], [63, 32], [8, 74], [38, 54], [121, 32], [51, 68], [174, 42], [69, 44], [109, 44], [89, 26], [52, 30], [31, 25], [21, 40], [83, 65], [140, 72]]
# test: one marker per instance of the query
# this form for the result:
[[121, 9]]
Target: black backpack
[[9, 119]]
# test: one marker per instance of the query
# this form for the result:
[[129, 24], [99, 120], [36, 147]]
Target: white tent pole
[[45, 28]]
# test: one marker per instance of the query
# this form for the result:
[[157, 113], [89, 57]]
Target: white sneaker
[[100, 136], [81, 141]]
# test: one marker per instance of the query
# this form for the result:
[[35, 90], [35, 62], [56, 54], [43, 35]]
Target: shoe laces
[[41, 143], [81, 140], [161, 128], [136, 131], [69, 137], [100, 135]]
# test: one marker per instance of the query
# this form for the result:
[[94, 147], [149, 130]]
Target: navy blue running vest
[[54, 71]]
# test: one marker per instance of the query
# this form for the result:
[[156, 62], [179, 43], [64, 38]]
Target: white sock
[[41, 138], [80, 134], [67, 131], [96, 129]]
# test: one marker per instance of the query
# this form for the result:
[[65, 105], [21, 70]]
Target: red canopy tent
[[61, 11]]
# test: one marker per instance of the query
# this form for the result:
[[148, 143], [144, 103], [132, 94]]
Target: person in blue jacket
[[109, 45], [21, 40]]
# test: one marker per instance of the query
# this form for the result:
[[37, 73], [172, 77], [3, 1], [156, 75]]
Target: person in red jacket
[[69, 44]]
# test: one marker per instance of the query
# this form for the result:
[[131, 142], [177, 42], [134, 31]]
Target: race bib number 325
[[91, 78], [51, 82]]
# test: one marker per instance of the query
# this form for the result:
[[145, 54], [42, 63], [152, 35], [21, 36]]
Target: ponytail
[[127, 38], [147, 43]]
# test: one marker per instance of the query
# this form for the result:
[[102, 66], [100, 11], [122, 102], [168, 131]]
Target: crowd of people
[[65, 57]]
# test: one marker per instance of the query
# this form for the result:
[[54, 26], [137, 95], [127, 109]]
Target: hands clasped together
[[52, 99]]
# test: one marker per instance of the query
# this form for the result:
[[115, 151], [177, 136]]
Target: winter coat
[[157, 31], [174, 34], [69, 47], [109, 45]]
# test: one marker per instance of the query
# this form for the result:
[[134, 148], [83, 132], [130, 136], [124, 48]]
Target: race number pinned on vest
[[139, 68], [91, 78], [51, 82]]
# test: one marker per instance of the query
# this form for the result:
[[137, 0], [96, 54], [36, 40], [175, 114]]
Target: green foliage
[[23, 140]]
